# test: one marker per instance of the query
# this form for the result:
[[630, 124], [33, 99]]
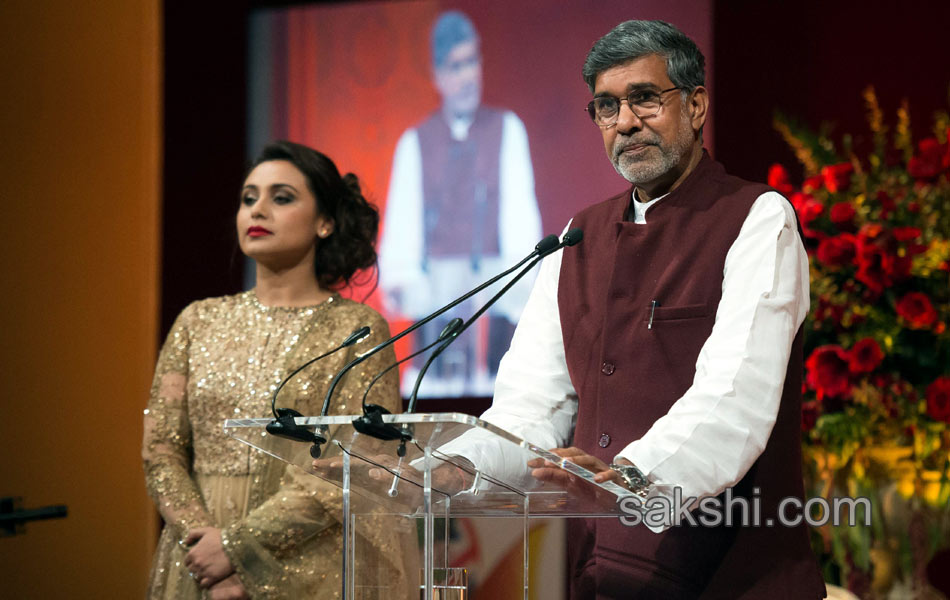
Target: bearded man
[[665, 352]]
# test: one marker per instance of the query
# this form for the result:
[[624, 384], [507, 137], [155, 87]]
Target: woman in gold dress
[[240, 524]]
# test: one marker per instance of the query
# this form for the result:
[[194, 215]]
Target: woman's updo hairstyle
[[351, 245]]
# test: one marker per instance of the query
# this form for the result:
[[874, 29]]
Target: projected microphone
[[571, 238], [283, 424], [544, 246]]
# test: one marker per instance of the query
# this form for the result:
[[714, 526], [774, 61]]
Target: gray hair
[[451, 29], [685, 64]]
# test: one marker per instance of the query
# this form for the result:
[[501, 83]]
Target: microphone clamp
[[284, 426]]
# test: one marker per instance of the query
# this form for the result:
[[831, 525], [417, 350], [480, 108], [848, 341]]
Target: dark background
[[809, 59]]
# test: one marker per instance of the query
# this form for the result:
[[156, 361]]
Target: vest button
[[604, 440], [607, 368]]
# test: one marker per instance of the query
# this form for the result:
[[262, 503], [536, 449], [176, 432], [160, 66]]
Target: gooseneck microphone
[[371, 423], [283, 424], [318, 438], [452, 329], [571, 238]]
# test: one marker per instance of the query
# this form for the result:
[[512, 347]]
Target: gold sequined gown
[[222, 359]]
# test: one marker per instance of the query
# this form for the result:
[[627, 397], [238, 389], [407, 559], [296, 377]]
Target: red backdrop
[[349, 79]]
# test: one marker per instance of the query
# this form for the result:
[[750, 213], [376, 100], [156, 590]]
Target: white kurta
[[713, 434]]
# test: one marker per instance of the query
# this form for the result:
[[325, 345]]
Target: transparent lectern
[[398, 496]]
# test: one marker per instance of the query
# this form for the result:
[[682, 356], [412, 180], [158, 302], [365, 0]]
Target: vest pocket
[[677, 313]]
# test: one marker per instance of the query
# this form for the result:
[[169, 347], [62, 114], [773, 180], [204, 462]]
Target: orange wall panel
[[79, 173]]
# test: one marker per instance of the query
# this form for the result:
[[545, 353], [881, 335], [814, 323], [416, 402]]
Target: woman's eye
[[283, 199], [248, 200]]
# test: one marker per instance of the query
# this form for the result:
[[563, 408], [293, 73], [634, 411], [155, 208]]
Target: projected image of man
[[461, 207]]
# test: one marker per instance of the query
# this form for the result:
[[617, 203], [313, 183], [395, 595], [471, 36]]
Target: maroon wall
[[812, 60]]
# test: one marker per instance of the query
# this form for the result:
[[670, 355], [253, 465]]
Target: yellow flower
[[905, 474], [931, 484], [888, 343], [902, 138], [802, 152], [875, 115], [889, 455]]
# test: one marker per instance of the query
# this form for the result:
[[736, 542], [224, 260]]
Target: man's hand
[[206, 560], [229, 588], [549, 472]]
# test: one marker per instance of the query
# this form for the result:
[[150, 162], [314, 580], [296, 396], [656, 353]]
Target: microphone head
[[357, 336], [546, 245], [451, 329], [573, 237]]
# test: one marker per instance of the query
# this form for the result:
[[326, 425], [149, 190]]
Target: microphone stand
[[544, 246], [284, 424], [571, 238], [371, 423]]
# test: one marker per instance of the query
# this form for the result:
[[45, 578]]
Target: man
[[461, 207], [658, 349]]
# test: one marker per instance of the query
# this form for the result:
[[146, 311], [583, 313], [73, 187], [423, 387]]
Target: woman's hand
[[206, 561], [229, 588]]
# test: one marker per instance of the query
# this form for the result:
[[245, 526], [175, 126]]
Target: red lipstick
[[257, 231]]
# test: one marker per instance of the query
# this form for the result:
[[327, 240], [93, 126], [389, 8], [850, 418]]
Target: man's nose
[[627, 120]]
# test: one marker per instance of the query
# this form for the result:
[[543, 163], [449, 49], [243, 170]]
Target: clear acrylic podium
[[396, 509]]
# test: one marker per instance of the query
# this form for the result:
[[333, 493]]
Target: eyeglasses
[[604, 110]]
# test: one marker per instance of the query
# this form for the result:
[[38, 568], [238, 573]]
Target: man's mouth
[[632, 149]]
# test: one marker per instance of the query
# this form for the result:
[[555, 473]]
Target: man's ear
[[698, 107]]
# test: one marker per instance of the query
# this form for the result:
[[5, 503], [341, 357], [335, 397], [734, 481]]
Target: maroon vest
[[628, 375], [460, 186]]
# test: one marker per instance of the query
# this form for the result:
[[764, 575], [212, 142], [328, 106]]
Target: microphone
[[371, 423], [571, 238], [453, 328], [283, 424], [545, 245]]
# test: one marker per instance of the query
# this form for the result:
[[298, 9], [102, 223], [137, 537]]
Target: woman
[[239, 523]]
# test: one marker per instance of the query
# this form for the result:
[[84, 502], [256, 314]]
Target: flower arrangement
[[876, 409]]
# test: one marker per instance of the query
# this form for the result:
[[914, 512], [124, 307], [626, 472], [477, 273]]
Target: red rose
[[865, 356], [811, 184], [871, 231], [808, 210], [916, 309], [909, 234], [827, 371], [932, 158], [827, 310], [841, 214], [906, 234], [938, 399], [837, 251], [837, 177], [897, 267], [871, 271], [778, 179], [888, 205]]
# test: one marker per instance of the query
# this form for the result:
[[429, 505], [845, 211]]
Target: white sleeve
[[534, 398], [519, 220], [713, 434], [400, 252]]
